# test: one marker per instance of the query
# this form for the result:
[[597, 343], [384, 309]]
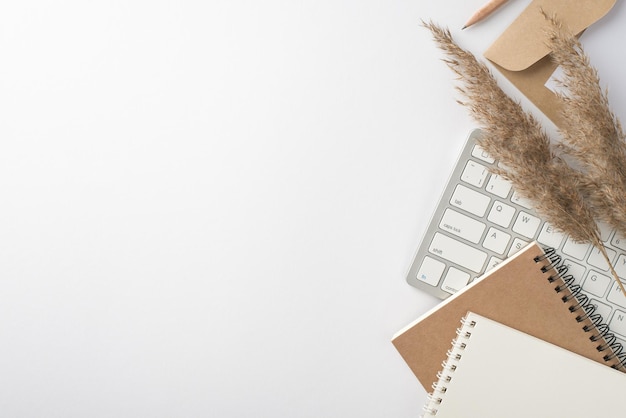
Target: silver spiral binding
[[580, 304], [436, 397]]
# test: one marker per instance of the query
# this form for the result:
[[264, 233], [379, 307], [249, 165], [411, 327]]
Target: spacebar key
[[458, 252]]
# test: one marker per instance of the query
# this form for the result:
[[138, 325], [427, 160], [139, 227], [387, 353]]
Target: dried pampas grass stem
[[591, 133]]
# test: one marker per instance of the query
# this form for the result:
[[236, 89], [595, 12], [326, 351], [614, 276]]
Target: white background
[[207, 208]]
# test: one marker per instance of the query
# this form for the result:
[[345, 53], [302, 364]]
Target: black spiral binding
[[581, 304], [448, 367]]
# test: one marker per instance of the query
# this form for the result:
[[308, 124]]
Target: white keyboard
[[480, 221]]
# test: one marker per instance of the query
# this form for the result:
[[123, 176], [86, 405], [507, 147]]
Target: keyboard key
[[501, 214], [474, 174], [619, 242], [519, 200], [470, 200], [455, 280], [498, 186], [458, 252], [550, 236], [526, 225], [496, 241], [430, 271], [480, 153], [493, 261], [596, 283], [620, 266], [518, 244], [462, 226], [575, 249], [616, 296], [603, 309], [618, 323], [575, 269], [596, 258]]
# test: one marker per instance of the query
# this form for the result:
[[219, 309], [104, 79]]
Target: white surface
[[208, 207]]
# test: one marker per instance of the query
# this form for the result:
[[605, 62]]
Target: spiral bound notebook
[[495, 371], [530, 292]]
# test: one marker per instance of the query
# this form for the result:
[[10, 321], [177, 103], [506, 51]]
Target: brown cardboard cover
[[517, 293], [521, 53]]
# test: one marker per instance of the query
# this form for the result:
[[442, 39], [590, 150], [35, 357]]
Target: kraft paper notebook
[[494, 371], [520, 293]]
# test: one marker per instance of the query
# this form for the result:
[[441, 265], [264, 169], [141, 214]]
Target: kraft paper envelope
[[521, 52]]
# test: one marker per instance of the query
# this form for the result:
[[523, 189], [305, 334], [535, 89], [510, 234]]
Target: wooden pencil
[[483, 12]]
